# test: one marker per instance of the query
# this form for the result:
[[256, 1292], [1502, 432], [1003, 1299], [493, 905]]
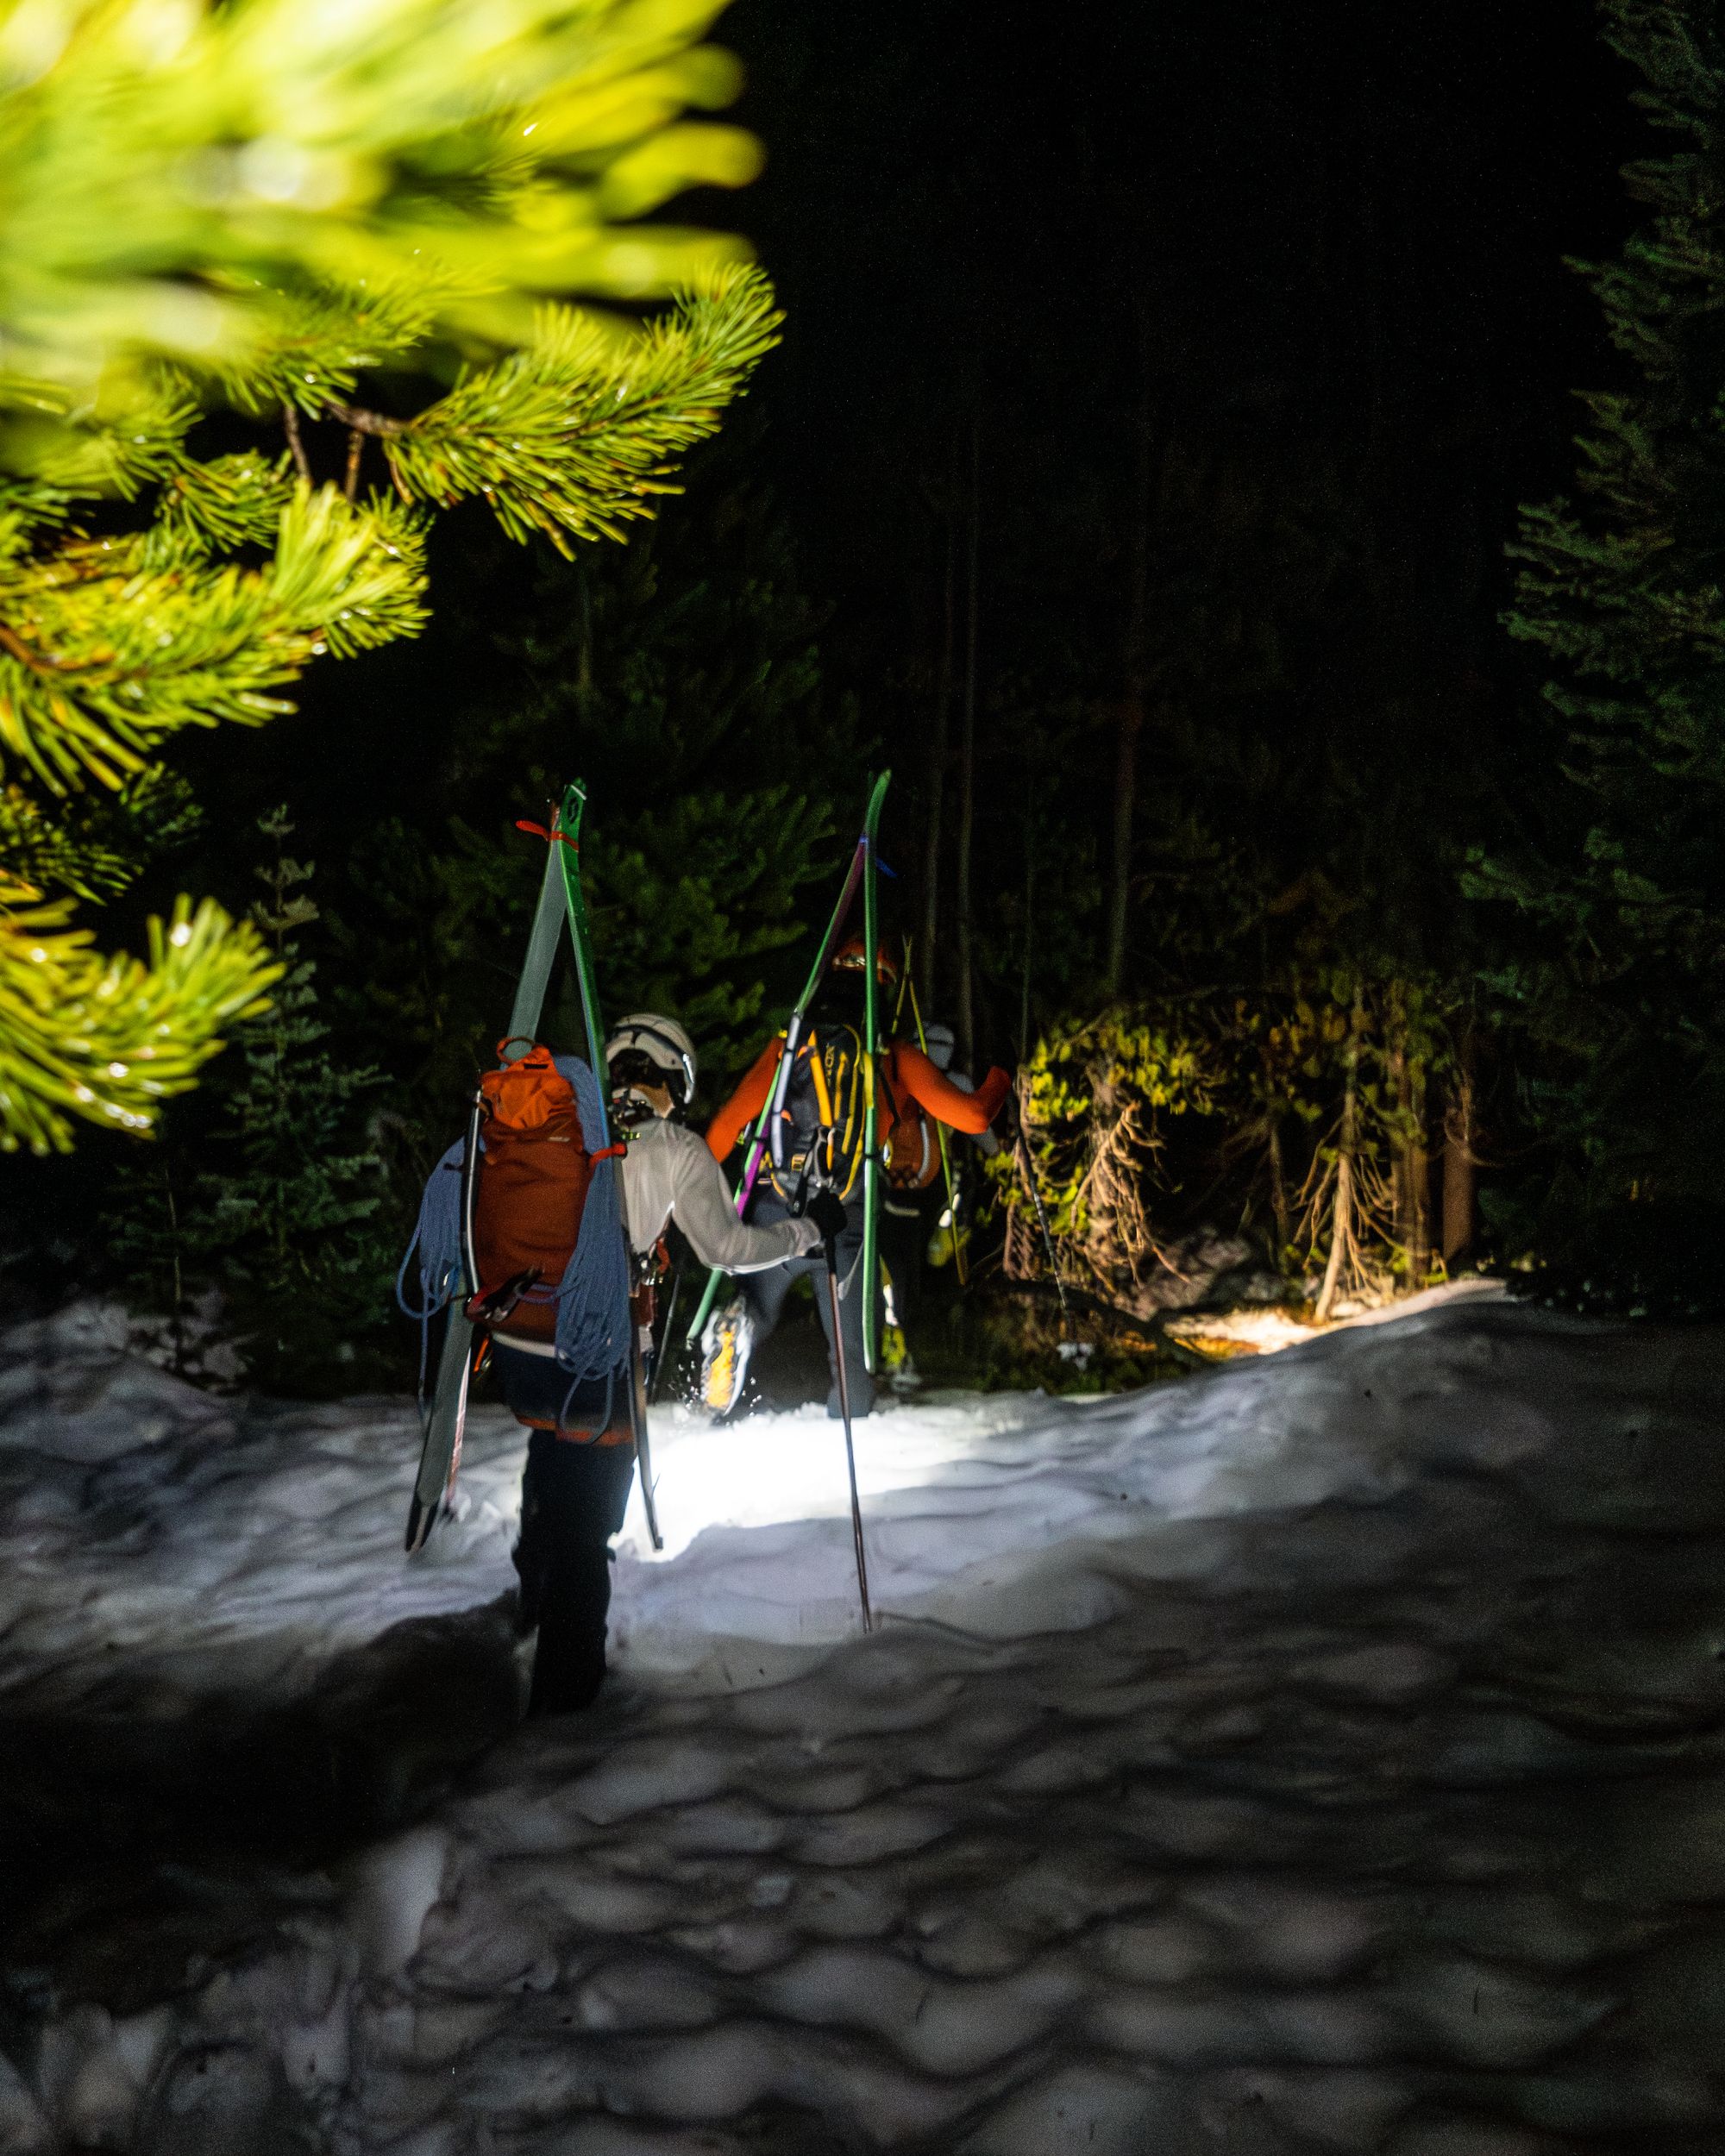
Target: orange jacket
[[903, 1071]]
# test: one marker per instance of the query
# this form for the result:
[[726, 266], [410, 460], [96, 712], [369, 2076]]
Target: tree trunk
[[583, 664], [1128, 726], [1461, 1166], [1418, 1178], [1342, 1238], [967, 782], [1411, 1171], [1278, 1188], [1129, 716], [1339, 1233], [1028, 930], [939, 752], [1395, 1069]]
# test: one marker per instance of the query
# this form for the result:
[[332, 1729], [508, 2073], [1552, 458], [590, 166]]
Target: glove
[[827, 1212]]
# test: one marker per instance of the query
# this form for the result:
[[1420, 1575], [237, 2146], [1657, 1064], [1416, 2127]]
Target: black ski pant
[[765, 1292], [906, 1219], [573, 1499]]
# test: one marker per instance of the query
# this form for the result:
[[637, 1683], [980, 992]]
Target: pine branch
[[35, 849], [225, 503], [108, 1039], [129, 436], [180, 192], [99, 844], [244, 203], [578, 434], [109, 645]]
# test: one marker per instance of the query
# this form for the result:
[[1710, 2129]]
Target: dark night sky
[[1357, 238], [1351, 232], [1375, 207]]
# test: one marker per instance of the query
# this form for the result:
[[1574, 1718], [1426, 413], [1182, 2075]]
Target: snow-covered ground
[[1321, 1754]]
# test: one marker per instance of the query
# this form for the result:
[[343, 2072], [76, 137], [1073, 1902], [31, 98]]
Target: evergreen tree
[[288, 1226], [680, 675], [241, 242], [1620, 999], [272, 1202]]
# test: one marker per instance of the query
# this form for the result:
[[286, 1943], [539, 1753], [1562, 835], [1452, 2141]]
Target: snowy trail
[[1322, 1755]]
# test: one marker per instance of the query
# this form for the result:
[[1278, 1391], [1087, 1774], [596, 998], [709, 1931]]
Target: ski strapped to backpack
[[446, 1282], [859, 875], [575, 806], [871, 1050], [522, 1231]]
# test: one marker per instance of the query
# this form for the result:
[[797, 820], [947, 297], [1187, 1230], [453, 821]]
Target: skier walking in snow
[[580, 1457], [912, 1201], [818, 1145]]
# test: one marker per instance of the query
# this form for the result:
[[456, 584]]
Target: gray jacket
[[669, 1174]]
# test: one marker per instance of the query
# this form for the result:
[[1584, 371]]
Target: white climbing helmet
[[664, 1043]]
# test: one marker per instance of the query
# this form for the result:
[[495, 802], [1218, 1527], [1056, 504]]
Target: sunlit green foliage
[[1129, 1117], [304, 219]]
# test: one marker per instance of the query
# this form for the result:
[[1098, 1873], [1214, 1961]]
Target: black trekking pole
[[659, 1359], [1028, 1169], [845, 1412]]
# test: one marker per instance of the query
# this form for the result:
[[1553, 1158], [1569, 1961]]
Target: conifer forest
[[1049, 682], [1254, 499]]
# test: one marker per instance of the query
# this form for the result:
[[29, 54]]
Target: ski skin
[[859, 875]]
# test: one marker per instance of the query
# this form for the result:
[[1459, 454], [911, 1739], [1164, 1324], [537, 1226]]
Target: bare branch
[[364, 421], [290, 420]]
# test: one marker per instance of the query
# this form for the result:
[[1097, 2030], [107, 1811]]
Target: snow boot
[[897, 1366], [726, 1344]]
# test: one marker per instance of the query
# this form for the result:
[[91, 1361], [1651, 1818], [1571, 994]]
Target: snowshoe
[[725, 1346]]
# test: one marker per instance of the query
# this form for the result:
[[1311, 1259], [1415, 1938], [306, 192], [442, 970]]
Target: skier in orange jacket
[[818, 1142]]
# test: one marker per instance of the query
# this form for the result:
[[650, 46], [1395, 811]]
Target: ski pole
[[1027, 1170], [643, 1443], [663, 1354], [844, 1413]]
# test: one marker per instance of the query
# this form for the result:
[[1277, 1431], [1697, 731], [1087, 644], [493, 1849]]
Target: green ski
[[570, 821], [858, 875]]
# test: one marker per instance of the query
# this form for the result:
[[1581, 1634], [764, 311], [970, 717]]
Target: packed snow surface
[[1320, 1754]]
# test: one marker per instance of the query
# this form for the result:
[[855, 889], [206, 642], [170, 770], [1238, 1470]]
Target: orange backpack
[[531, 1192], [911, 1155]]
